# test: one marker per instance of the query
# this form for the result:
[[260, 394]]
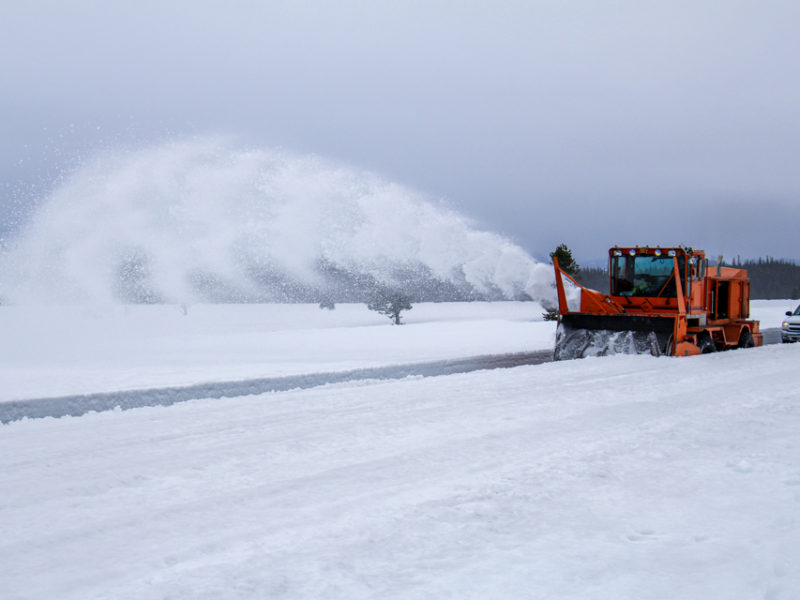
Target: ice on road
[[622, 477]]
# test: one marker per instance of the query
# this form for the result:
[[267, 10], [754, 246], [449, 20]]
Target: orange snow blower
[[661, 301]]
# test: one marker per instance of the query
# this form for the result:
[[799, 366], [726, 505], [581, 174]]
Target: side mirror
[[788, 313]]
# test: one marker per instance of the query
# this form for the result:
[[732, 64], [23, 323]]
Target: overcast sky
[[587, 122]]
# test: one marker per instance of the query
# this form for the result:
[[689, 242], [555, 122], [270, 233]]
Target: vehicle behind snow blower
[[661, 301]]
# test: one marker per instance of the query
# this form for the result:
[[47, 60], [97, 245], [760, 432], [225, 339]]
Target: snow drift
[[201, 220]]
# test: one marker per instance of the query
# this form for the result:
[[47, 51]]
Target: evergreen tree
[[772, 278], [567, 264], [565, 260], [390, 303]]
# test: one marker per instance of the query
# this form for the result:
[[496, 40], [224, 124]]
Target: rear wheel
[[746, 340]]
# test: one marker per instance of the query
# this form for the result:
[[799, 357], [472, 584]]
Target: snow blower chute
[[661, 301]]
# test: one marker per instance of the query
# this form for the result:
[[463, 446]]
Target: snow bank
[[622, 477]]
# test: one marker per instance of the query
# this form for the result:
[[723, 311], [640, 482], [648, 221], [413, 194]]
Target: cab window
[[645, 275]]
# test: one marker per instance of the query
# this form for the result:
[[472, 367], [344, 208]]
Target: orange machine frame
[[717, 304]]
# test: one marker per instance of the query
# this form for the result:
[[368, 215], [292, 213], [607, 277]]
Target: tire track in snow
[[80, 404]]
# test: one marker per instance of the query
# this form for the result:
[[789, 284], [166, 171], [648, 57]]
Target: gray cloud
[[585, 122]]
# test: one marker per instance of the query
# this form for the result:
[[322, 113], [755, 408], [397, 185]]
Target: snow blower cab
[[661, 301]]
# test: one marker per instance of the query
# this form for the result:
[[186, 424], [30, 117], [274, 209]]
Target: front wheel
[[669, 349], [705, 343], [746, 340]]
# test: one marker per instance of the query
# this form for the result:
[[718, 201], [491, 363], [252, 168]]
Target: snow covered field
[[621, 477], [56, 351]]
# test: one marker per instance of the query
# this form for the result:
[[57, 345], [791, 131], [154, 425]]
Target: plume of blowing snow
[[200, 220]]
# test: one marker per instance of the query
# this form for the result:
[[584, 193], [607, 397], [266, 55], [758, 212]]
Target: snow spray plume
[[199, 220]]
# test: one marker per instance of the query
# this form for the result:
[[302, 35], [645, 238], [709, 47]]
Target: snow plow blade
[[580, 335]]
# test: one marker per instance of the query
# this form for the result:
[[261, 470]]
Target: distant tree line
[[770, 278]]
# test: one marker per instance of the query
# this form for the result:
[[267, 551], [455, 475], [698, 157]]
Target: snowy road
[[624, 477], [772, 335], [80, 404]]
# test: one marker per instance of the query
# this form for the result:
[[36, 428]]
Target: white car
[[790, 328]]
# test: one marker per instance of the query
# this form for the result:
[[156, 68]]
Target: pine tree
[[565, 260], [567, 264], [390, 303]]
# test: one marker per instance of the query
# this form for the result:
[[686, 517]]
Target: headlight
[[785, 324]]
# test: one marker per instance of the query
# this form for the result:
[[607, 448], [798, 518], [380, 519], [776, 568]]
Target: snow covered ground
[[57, 351], [771, 312], [621, 477]]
